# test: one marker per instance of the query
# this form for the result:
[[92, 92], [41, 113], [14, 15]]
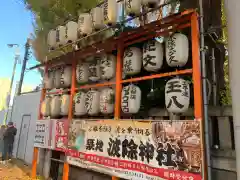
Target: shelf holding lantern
[[132, 108]]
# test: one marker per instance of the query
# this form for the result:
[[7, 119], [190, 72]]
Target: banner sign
[[61, 138], [158, 150], [42, 134]]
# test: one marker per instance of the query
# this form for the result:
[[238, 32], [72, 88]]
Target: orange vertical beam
[[70, 113], [197, 83], [118, 94], [36, 150], [197, 86]]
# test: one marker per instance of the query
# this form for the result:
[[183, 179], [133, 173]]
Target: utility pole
[[17, 56], [26, 57]]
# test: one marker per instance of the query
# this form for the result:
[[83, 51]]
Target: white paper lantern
[[61, 35], [133, 7], [52, 39], [150, 3], [153, 16], [131, 99], [107, 100], [65, 100], [94, 69], [82, 73], [72, 31], [80, 104], [55, 106], [45, 106], [132, 62], [177, 50], [98, 18], [108, 66], [66, 76], [49, 80], [57, 77], [110, 12], [177, 95], [85, 24], [152, 55], [93, 102]]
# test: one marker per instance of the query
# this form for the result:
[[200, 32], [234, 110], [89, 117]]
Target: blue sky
[[16, 26]]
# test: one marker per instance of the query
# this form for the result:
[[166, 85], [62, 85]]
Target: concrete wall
[[26, 104]]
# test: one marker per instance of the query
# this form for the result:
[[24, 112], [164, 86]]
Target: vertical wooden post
[[70, 114], [197, 85], [36, 150], [118, 94]]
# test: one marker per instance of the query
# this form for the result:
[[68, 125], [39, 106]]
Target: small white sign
[[41, 138]]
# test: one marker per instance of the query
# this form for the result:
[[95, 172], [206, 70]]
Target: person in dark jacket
[[8, 138]]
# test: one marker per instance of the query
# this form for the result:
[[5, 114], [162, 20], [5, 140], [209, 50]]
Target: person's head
[[3, 127], [10, 124]]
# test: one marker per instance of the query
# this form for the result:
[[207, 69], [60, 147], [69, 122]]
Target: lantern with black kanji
[[85, 24], [80, 104], [177, 50], [51, 40], [131, 99], [48, 80], [65, 99], [45, 106], [98, 18], [177, 95], [61, 35], [110, 12], [92, 102], [82, 73], [107, 100], [72, 31], [133, 7], [55, 106], [66, 76], [132, 61], [57, 77], [108, 66], [152, 55], [150, 3], [94, 69]]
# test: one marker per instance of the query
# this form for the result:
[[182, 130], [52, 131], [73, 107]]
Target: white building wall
[[27, 104]]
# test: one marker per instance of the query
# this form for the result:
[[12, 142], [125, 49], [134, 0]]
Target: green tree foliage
[[49, 14], [226, 94]]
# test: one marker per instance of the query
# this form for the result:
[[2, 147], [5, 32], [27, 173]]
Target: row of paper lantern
[[93, 102], [103, 67], [96, 20], [151, 58]]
